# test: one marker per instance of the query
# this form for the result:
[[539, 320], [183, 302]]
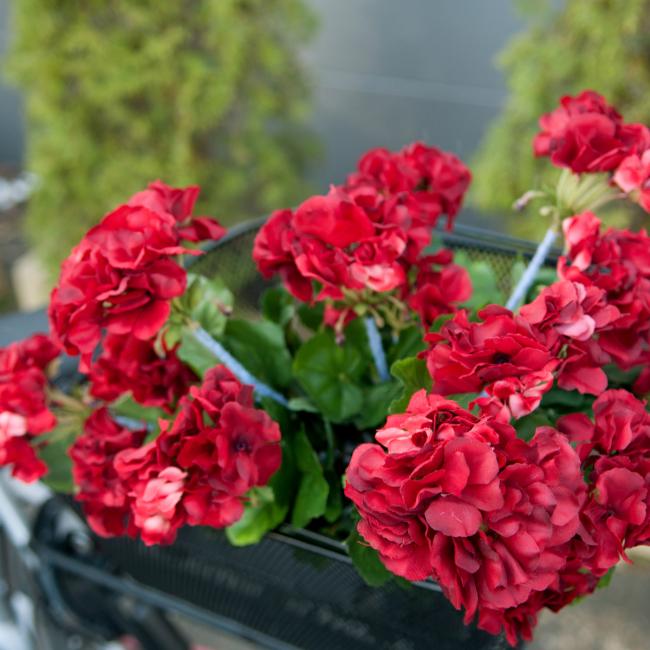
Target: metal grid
[[231, 259]]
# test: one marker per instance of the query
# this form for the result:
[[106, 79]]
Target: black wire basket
[[295, 589]]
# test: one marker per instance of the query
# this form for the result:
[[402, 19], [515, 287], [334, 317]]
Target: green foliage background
[[119, 93], [599, 44]]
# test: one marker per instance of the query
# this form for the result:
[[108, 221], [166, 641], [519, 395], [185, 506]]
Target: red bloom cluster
[[616, 455], [104, 496], [459, 498], [370, 232], [616, 262], [585, 134], [130, 364], [196, 472], [597, 313], [505, 527], [121, 277], [24, 412], [500, 354]]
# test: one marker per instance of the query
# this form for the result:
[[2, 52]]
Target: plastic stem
[[376, 348], [529, 275], [237, 369]]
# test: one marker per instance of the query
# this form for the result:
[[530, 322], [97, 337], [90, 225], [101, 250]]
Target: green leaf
[[366, 561], [311, 500], [413, 374], [207, 301], [409, 343], [305, 456], [377, 400], [129, 408], [302, 404], [566, 400], [329, 374], [527, 425], [261, 515], [278, 305], [313, 490], [621, 378], [484, 286], [312, 315], [260, 347], [55, 456], [334, 506], [192, 353], [606, 579], [356, 337]]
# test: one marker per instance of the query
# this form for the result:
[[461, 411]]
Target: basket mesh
[[297, 595], [231, 260]]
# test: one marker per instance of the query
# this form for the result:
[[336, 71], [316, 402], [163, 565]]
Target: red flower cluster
[[617, 263], [585, 134], [24, 412], [505, 527], [370, 232], [196, 472], [616, 456], [569, 317], [597, 313], [500, 354], [104, 496], [130, 364], [121, 277], [459, 498]]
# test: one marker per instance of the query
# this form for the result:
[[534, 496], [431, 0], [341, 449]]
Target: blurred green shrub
[[119, 93], [600, 44]]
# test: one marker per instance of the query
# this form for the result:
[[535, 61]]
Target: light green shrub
[[599, 44], [121, 92]]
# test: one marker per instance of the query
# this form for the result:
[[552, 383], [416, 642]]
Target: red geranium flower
[[24, 409], [460, 499], [468, 357], [440, 286], [618, 263], [128, 364], [200, 468], [566, 316], [633, 177], [585, 134], [105, 497], [179, 203], [369, 233], [121, 277]]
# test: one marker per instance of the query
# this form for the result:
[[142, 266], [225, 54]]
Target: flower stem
[[237, 369], [376, 348], [529, 275], [131, 423]]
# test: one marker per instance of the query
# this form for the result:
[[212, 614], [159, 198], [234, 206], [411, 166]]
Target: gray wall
[[385, 72], [391, 71], [11, 123]]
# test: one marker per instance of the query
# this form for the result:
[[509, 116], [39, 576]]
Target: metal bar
[[156, 598]]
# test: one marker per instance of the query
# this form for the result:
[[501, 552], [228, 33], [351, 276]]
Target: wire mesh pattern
[[297, 595], [230, 259]]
